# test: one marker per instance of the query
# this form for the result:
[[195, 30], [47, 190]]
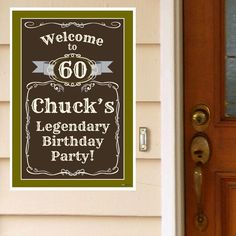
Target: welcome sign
[[72, 98]]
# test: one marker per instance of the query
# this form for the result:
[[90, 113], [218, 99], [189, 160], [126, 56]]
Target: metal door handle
[[197, 176], [200, 151]]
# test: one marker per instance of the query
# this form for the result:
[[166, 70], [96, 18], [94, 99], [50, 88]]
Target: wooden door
[[210, 79]]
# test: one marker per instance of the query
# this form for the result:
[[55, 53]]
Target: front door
[[210, 117]]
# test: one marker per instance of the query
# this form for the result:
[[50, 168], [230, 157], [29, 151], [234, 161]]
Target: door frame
[[172, 162]]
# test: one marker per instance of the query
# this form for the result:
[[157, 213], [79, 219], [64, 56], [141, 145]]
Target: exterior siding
[[77, 225], [148, 62], [147, 14], [91, 212], [145, 201]]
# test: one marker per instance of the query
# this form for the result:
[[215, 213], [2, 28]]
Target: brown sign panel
[[74, 92]]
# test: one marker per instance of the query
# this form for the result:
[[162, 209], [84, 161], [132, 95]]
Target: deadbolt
[[200, 149], [200, 117]]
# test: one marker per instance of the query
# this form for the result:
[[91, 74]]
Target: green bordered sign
[[72, 98]]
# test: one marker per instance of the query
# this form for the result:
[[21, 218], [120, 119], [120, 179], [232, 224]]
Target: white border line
[[134, 101], [21, 110], [75, 9], [10, 99]]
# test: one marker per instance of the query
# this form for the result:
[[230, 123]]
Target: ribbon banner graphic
[[45, 68]]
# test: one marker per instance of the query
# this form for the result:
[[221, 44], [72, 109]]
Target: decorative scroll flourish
[[59, 88], [33, 25]]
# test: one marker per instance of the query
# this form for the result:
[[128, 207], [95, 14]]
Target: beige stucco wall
[[24, 213]]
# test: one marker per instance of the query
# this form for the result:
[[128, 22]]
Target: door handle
[[197, 176], [200, 151]]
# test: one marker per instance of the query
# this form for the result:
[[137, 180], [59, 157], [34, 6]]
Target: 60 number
[[79, 69]]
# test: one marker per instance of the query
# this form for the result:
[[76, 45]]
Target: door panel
[[226, 195], [204, 83]]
